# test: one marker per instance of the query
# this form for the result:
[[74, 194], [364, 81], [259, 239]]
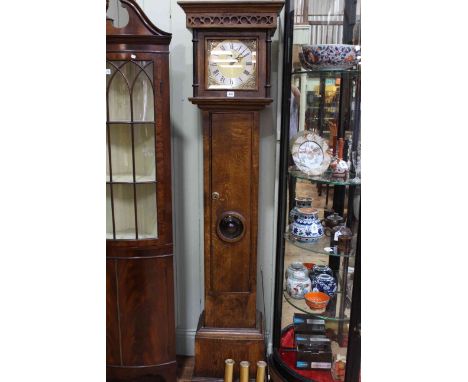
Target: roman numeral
[[231, 81], [216, 72], [249, 63], [244, 55], [246, 72], [222, 47], [222, 79], [231, 45]]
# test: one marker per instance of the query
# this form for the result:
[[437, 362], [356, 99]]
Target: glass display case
[[131, 159], [140, 323], [316, 330]]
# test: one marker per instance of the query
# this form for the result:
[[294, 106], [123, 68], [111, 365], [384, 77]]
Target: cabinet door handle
[[215, 195]]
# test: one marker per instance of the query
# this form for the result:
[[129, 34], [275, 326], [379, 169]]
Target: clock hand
[[236, 57]]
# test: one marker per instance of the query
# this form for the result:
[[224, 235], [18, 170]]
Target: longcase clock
[[139, 257], [231, 84]]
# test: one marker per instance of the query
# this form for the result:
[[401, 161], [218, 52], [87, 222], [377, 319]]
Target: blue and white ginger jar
[[324, 283], [318, 269]]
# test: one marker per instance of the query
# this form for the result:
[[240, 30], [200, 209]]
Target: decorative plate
[[310, 153]]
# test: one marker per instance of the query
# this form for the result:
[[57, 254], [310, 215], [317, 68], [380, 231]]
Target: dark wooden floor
[[185, 368]]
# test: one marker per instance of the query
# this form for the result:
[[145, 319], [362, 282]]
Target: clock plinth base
[[214, 345]]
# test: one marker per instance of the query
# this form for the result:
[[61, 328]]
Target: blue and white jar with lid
[[306, 226], [318, 269], [324, 283]]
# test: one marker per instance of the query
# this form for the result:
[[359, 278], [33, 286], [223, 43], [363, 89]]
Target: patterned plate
[[310, 153]]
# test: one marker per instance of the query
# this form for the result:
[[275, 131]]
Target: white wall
[[187, 172]]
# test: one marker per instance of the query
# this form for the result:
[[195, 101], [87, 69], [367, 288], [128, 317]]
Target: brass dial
[[232, 64]]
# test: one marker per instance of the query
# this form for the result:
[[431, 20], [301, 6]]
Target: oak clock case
[[140, 328], [231, 85]]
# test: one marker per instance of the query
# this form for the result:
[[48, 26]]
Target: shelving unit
[[328, 102], [321, 246]]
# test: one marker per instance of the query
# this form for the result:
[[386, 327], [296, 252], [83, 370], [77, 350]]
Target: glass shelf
[[133, 213], [130, 123], [129, 179], [325, 178], [331, 313], [327, 72], [317, 247]]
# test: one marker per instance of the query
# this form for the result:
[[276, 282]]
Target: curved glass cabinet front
[[324, 100], [131, 151]]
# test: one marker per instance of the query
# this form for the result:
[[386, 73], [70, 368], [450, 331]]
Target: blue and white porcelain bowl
[[324, 283], [306, 226], [332, 56]]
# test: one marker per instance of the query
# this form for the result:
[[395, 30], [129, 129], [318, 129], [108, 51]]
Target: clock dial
[[232, 64]]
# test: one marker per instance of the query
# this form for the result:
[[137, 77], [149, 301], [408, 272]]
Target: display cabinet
[[316, 330], [139, 256]]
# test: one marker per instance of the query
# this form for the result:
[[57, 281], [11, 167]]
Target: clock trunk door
[[231, 216]]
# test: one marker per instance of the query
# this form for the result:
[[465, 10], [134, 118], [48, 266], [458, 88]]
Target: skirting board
[[185, 341]]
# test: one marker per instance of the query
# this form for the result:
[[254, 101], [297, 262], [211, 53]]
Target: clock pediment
[[259, 14]]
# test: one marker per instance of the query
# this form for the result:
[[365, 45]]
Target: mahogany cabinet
[[140, 335]]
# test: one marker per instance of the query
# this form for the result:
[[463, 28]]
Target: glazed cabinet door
[[137, 166]]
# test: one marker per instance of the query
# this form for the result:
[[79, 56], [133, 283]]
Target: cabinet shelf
[[128, 179], [130, 236], [325, 178], [130, 122], [317, 247], [330, 314], [327, 72]]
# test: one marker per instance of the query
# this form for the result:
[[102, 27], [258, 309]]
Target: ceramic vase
[[306, 226], [297, 285], [324, 283], [340, 168]]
